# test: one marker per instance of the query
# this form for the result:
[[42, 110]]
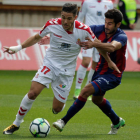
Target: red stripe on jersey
[[104, 68], [101, 38], [98, 64], [82, 26], [56, 21], [105, 65]]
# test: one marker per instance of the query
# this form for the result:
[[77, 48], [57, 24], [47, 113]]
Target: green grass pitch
[[89, 124]]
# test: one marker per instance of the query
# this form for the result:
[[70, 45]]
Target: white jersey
[[64, 45], [93, 11]]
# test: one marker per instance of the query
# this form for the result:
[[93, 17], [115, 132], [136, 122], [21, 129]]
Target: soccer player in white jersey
[[59, 62], [92, 12]]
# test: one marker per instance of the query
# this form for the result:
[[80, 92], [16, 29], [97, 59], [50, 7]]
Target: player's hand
[[87, 44], [44, 40], [12, 49], [113, 66]]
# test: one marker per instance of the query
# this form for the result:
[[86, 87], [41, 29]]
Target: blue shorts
[[103, 83]]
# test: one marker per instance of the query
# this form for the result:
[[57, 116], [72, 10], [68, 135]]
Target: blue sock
[[77, 105], [106, 108]]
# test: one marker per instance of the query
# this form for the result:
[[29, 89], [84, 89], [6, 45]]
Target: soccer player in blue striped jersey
[[113, 41]]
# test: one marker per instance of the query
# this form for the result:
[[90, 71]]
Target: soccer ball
[[39, 127]]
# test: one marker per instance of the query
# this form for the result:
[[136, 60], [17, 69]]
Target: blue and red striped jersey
[[118, 56]]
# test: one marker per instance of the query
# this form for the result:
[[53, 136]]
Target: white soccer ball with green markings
[[39, 127]]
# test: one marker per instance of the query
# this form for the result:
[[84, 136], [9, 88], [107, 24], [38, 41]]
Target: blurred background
[[19, 19]]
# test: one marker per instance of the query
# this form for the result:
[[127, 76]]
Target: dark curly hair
[[70, 8], [114, 14]]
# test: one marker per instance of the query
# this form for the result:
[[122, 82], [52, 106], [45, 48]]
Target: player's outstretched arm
[[29, 42]]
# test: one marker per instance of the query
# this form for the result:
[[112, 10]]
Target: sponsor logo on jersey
[[92, 6], [65, 47], [99, 13]]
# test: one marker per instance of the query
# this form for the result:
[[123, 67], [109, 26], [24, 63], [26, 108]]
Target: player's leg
[[101, 85], [58, 106], [25, 106], [81, 72], [39, 82], [76, 107], [61, 87], [95, 59]]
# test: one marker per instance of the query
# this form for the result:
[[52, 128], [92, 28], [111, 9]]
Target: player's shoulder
[[120, 34], [97, 28], [83, 27], [55, 21]]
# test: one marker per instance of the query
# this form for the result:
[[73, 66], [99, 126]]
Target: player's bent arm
[[29, 42], [108, 47], [111, 64]]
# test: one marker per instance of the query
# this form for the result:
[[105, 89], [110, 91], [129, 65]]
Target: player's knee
[[32, 95], [57, 109], [96, 102], [84, 93]]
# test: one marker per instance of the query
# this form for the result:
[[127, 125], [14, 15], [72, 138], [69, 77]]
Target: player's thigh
[[87, 91], [35, 89], [61, 87], [41, 80], [86, 61]]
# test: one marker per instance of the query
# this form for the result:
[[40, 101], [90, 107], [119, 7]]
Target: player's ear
[[118, 24]]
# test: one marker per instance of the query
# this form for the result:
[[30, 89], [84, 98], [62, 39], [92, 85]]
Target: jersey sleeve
[[45, 29], [122, 38], [91, 35], [82, 11]]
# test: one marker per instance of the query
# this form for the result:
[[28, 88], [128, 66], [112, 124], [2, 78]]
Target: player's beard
[[70, 28], [110, 31]]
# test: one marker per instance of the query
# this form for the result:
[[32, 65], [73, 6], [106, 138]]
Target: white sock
[[90, 74], [80, 76], [25, 106]]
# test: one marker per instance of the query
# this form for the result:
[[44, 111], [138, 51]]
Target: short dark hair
[[70, 8], [114, 14]]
